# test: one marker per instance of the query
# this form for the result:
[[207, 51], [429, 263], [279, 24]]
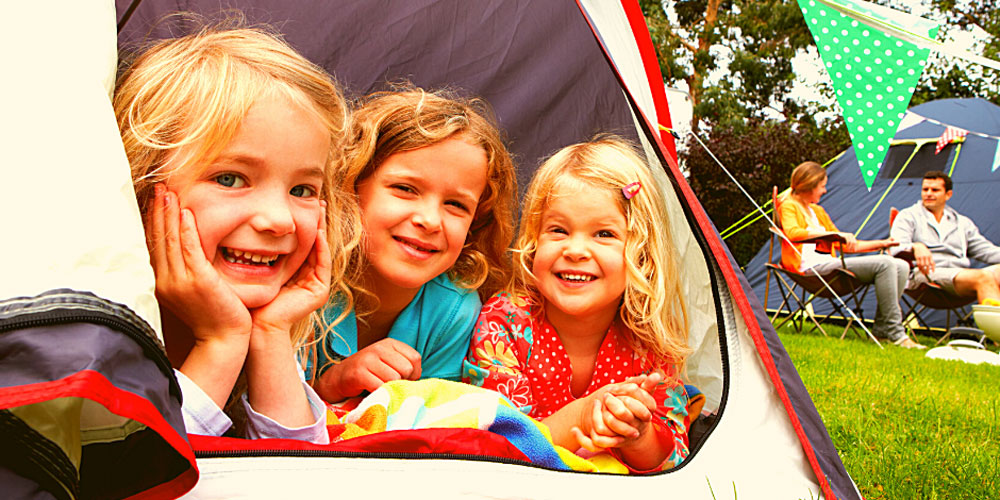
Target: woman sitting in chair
[[801, 218]]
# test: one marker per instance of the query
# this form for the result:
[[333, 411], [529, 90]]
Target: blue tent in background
[[970, 164]]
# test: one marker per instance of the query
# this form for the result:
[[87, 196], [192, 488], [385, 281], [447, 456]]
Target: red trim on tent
[[94, 386], [437, 440], [651, 64], [732, 281]]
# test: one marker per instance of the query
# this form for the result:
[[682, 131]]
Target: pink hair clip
[[630, 190]]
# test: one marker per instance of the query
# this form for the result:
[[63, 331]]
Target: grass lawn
[[906, 427]]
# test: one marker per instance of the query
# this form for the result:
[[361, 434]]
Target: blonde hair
[[410, 118], [806, 176], [181, 102], [653, 309]]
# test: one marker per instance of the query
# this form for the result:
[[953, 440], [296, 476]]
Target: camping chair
[[840, 283], [932, 296]]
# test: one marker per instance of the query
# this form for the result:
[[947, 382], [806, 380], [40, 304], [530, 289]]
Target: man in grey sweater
[[942, 242]]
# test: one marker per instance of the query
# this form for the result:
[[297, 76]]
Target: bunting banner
[[951, 49], [874, 73], [996, 158], [950, 135]]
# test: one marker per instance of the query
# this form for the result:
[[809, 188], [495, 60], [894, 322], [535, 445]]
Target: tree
[[946, 77], [752, 41]]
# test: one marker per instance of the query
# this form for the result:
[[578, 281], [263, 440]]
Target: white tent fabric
[[67, 191]]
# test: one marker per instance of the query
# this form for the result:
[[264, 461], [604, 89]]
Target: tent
[[970, 164], [557, 73]]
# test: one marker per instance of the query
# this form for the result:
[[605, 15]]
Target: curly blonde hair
[[653, 309], [181, 102], [409, 118]]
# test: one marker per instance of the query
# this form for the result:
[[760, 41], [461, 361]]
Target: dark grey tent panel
[[523, 81], [975, 184]]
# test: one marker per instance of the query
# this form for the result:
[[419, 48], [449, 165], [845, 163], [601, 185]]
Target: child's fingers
[[322, 248], [155, 234], [625, 408], [652, 380], [368, 381], [190, 242], [637, 392], [584, 441], [401, 366], [618, 418], [384, 372], [412, 357], [597, 422], [171, 234], [594, 443], [636, 409]]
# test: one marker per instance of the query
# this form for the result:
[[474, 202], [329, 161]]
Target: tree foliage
[[753, 40], [945, 76]]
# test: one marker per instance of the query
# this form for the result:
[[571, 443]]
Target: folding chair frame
[[932, 296]]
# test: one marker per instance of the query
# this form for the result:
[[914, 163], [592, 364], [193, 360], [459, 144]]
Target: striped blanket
[[434, 404]]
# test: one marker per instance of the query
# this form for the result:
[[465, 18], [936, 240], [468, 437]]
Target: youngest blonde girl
[[592, 332]]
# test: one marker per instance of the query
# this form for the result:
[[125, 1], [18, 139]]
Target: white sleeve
[[260, 426], [201, 414]]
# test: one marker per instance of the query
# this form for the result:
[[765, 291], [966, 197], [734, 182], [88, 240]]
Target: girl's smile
[[257, 205], [416, 209]]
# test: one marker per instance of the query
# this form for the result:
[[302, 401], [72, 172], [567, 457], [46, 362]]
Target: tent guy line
[[781, 233]]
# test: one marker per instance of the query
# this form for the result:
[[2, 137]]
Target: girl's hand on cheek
[[186, 282], [369, 368], [306, 292]]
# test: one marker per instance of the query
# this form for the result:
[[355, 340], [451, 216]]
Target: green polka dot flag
[[873, 74]]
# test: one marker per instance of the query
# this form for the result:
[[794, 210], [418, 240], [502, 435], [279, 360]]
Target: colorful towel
[[426, 404]]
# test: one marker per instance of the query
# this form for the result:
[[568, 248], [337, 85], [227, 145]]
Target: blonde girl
[[435, 187], [591, 334], [232, 137]]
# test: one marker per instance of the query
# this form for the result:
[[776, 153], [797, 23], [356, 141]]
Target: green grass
[[906, 426]]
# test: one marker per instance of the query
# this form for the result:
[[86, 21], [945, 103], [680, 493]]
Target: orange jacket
[[794, 222]]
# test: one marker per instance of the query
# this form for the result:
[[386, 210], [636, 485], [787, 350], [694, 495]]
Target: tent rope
[[771, 222]]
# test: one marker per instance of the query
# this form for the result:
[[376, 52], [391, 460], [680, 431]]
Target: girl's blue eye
[[605, 234], [302, 191], [229, 180]]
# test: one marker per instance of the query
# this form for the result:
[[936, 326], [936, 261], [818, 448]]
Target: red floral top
[[522, 357]]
